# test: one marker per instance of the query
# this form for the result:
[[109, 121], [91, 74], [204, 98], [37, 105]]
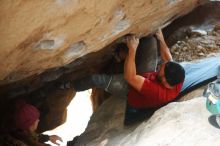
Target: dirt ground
[[198, 44]]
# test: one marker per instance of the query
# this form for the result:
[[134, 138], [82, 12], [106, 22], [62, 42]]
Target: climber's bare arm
[[164, 50], [130, 74]]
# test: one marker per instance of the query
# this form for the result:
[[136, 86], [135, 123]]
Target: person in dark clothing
[[26, 121]]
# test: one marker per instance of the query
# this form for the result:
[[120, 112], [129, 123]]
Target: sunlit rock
[[183, 123], [36, 36]]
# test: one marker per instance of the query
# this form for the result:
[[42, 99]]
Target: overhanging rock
[[36, 36]]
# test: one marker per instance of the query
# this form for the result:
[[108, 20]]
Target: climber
[[26, 120], [147, 84], [146, 87]]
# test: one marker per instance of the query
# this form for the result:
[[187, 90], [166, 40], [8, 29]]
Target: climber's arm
[[164, 50], [130, 74]]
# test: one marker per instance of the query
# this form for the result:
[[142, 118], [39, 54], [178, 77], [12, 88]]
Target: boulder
[[178, 123], [40, 35]]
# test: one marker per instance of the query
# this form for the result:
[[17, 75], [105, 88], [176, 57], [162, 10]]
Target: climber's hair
[[174, 73]]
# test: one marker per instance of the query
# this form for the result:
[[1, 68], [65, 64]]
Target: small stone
[[204, 50], [217, 27], [174, 49], [198, 32], [201, 54], [176, 53], [177, 46], [209, 33], [185, 49], [215, 33], [199, 48]]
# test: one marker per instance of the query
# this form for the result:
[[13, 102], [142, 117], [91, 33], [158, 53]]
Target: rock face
[[36, 36], [53, 109], [47, 42], [185, 123]]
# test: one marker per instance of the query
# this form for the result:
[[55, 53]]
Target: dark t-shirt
[[153, 93]]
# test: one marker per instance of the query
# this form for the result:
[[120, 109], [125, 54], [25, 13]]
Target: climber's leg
[[200, 71], [114, 84], [97, 80], [118, 86]]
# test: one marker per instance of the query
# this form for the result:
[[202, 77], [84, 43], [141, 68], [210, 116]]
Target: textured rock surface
[[184, 123], [53, 109], [197, 45], [35, 36], [40, 35]]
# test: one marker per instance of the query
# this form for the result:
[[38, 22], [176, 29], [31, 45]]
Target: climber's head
[[171, 73]]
